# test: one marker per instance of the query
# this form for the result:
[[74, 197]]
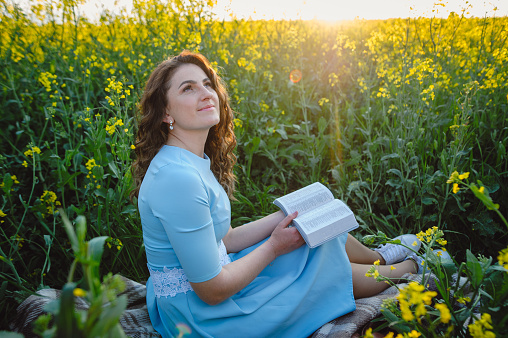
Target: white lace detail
[[172, 281]]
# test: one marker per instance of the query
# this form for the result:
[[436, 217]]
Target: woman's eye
[[187, 88], [208, 84]]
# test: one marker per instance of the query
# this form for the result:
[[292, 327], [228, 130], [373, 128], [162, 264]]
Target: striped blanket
[[136, 323]]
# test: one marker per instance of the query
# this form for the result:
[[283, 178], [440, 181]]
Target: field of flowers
[[406, 120]]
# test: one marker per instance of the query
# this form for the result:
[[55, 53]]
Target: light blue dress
[[185, 213]]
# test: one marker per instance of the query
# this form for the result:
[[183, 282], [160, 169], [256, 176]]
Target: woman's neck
[[195, 144]]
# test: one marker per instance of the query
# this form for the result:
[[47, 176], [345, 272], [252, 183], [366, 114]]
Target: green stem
[[502, 217], [71, 271]]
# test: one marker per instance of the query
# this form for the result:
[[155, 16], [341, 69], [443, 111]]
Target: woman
[[257, 280]]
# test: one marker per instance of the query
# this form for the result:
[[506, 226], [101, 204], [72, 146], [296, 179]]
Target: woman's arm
[[238, 274], [251, 233]]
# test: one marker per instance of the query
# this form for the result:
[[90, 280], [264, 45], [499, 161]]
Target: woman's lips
[[209, 107]]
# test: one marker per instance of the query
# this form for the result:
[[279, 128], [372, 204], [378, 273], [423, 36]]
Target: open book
[[321, 217]]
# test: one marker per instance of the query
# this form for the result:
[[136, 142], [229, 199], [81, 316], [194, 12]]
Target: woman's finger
[[288, 219]]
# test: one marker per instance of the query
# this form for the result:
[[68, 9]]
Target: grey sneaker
[[420, 262], [394, 253]]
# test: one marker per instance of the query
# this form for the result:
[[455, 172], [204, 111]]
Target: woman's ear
[[168, 119]]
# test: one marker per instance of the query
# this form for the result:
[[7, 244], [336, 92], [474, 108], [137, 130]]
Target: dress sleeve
[[179, 199]]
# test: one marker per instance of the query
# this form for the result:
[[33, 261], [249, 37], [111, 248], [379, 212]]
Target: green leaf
[[70, 232], [395, 171], [109, 317], [65, 321], [52, 307], [322, 124], [114, 169], [129, 209], [96, 248], [475, 269], [386, 157], [395, 321], [101, 192], [81, 228], [117, 331], [429, 200]]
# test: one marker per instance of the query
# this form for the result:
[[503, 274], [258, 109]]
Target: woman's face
[[193, 103]]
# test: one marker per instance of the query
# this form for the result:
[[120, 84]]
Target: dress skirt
[[292, 297]]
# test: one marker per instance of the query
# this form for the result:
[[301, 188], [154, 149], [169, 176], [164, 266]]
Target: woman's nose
[[207, 92]]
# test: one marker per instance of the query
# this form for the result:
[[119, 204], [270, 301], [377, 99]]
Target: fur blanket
[[136, 323]]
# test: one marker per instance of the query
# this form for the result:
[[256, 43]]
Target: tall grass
[[384, 112]]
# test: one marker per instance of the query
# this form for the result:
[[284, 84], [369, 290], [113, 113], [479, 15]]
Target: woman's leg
[[359, 253], [364, 286]]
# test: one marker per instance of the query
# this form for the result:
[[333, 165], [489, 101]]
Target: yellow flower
[[455, 188], [48, 197], [481, 327], [90, 164], [322, 101], [79, 292], [414, 295], [238, 123], [392, 267], [110, 129], [15, 179], [2, 214], [133, 146], [370, 272], [464, 300], [414, 334], [445, 312], [368, 333], [31, 151], [503, 258], [464, 175], [407, 315], [376, 262], [453, 177], [25, 164], [442, 241], [482, 189]]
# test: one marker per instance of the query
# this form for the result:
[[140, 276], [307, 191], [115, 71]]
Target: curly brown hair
[[153, 132]]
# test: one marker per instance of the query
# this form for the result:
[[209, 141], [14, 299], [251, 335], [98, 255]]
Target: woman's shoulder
[[169, 160], [170, 174]]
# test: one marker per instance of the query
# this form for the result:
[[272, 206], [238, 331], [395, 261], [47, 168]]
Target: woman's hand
[[239, 273], [283, 239]]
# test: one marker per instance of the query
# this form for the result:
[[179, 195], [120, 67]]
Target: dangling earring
[[170, 125]]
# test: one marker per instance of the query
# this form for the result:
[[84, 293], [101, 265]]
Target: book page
[[304, 199], [322, 216]]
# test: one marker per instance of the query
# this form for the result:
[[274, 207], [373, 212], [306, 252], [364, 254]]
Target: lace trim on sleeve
[[172, 281]]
